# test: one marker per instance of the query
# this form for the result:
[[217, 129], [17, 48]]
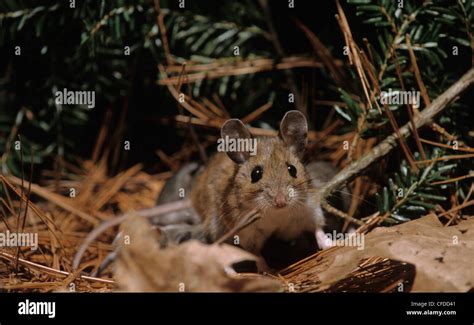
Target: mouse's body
[[274, 181], [224, 192]]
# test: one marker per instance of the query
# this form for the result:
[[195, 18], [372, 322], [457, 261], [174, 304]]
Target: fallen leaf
[[442, 256], [191, 267]]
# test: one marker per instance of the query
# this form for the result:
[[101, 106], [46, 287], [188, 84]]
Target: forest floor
[[420, 255]]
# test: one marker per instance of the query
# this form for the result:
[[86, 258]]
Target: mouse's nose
[[280, 200]]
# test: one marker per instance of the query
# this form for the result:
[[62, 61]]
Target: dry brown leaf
[[443, 256], [191, 267]]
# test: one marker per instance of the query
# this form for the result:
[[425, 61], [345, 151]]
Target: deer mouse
[[272, 179]]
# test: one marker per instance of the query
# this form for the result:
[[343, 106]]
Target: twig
[[101, 135], [250, 66], [460, 178], [391, 118], [444, 158], [438, 128], [146, 213], [312, 135], [391, 49], [161, 26], [176, 96], [114, 186], [423, 90], [256, 113], [386, 146], [57, 199], [44, 218], [248, 219], [103, 21], [11, 137], [465, 149], [197, 143], [28, 195], [353, 53], [22, 189], [419, 80], [52, 271], [29, 12], [215, 109], [459, 207]]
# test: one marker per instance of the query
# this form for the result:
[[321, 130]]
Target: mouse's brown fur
[[224, 191]]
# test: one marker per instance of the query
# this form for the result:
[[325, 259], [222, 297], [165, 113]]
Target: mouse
[[272, 178]]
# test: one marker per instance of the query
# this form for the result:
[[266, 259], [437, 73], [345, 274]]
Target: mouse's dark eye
[[256, 174], [292, 170]]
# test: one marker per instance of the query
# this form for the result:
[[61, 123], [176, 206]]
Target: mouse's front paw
[[321, 239]]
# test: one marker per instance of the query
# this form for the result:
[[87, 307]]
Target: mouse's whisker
[[359, 197]]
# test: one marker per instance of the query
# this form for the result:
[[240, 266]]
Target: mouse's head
[[273, 176]]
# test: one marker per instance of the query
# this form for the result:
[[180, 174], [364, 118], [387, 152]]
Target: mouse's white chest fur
[[287, 224]]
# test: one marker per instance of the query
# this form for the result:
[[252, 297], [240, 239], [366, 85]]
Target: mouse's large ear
[[294, 131], [233, 130]]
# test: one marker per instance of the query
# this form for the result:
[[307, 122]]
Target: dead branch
[[250, 66], [386, 146]]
